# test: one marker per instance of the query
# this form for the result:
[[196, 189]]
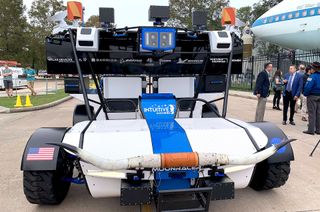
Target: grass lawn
[[35, 100]]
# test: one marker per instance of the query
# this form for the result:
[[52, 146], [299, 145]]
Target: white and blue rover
[[152, 131]]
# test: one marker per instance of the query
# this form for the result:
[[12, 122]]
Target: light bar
[[158, 39], [220, 41], [87, 39]]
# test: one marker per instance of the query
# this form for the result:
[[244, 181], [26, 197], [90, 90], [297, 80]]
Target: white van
[[17, 77]]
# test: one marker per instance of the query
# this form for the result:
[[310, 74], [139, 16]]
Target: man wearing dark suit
[[312, 92], [293, 87], [262, 91]]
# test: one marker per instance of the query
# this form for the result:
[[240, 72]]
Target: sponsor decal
[[187, 61], [130, 61], [224, 60], [94, 60], [219, 60], [163, 109], [42, 153], [164, 61], [167, 135], [60, 60], [162, 125], [148, 62], [175, 169], [104, 60]]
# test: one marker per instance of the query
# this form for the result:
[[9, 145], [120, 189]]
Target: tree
[[173, 22], [13, 26], [93, 21], [245, 14], [264, 48], [181, 10], [40, 27]]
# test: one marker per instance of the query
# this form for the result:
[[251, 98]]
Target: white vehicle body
[[293, 24], [120, 139], [152, 129], [18, 82]]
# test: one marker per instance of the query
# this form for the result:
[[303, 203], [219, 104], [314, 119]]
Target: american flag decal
[[42, 153]]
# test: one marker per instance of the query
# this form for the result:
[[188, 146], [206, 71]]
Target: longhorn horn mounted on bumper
[[174, 160]]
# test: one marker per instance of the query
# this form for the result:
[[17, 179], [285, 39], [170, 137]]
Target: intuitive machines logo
[[162, 109]]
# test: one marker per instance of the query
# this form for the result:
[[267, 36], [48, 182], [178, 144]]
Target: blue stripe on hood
[[166, 134]]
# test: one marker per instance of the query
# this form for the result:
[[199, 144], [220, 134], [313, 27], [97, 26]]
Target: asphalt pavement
[[301, 193]]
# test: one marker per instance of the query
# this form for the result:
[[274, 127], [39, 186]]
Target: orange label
[[74, 10]]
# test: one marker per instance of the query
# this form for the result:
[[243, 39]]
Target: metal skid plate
[[193, 199], [222, 189], [140, 194]]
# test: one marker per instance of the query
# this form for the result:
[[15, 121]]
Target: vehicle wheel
[[48, 187], [268, 176]]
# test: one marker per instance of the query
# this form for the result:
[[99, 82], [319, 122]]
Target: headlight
[[158, 39]]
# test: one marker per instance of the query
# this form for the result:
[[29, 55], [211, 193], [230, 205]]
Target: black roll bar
[[104, 107], [226, 94], [84, 91]]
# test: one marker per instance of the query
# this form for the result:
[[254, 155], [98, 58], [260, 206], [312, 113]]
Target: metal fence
[[253, 65], [42, 87]]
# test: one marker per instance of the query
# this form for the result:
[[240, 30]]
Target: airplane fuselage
[[291, 24]]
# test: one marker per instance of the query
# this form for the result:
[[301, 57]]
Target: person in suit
[[312, 92], [262, 91], [304, 108], [293, 82]]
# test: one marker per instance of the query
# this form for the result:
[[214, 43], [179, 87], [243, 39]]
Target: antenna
[[59, 19]]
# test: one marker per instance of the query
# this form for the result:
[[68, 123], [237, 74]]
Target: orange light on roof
[[74, 10], [228, 16]]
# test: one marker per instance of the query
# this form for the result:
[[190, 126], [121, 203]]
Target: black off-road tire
[[269, 176], [48, 187]]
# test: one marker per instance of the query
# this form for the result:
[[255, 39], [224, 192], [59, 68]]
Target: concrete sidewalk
[[249, 95], [3, 109], [300, 193]]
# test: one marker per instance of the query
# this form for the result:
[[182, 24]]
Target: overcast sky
[[133, 12]]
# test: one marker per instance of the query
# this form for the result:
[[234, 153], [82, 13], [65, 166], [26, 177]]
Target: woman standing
[[277, 88]]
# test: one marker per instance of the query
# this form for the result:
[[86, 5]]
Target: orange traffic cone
[[28, 102], [18, 102]]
